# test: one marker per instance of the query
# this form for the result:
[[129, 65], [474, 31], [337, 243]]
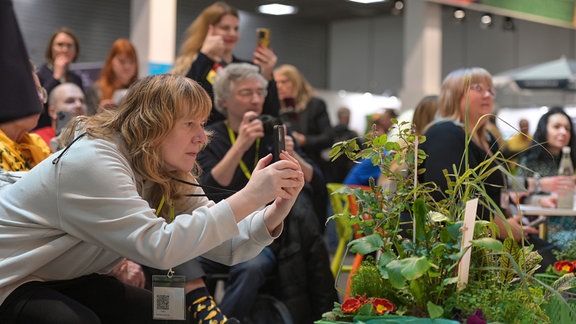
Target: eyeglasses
[[479, 88], [69, 45], [42, 95], [250, 93]]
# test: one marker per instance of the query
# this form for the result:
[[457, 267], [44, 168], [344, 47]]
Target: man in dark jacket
[[299, 256]]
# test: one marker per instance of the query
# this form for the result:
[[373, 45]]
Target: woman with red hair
[[119, 71]]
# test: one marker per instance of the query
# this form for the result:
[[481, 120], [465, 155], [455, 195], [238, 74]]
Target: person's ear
[[224, 104], [52, 112]]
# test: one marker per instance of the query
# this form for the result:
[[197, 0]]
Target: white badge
[[169, 297]]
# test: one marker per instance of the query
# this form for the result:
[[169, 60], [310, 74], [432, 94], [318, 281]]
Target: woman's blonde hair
[[424, 113], [196, 34], [304, 91], [144, 119], [455, 86]]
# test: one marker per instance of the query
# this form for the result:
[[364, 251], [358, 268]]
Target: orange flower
[[382, 305], [564, 266]]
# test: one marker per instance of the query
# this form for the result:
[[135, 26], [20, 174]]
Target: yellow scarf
[[22, 156]]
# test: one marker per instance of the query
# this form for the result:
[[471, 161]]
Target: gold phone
[[263, 35]]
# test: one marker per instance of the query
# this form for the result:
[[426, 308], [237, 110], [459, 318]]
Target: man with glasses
[[298, 260]]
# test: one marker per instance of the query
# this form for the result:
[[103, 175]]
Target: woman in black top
[[62, 50], [466, 99]]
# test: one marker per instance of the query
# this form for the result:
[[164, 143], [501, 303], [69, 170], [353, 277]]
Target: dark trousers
[[89, 299], [244, 281]]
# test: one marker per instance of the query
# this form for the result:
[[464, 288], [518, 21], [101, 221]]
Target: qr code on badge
[[162, 302]]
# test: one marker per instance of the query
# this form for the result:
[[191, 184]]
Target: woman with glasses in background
[[62, 50], [458, 139]]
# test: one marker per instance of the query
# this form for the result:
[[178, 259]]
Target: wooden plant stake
[[467, 235]]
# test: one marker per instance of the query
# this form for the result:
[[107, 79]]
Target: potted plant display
[[414, 247]]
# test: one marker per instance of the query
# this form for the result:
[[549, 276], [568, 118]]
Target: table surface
[[528, 210]]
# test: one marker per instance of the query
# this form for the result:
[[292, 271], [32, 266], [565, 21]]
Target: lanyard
[[161, 204], [243, 166]]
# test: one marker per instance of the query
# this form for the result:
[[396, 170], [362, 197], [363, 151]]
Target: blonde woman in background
[[305, 114], [466, 100], [209, 45], [307, 117], [424, 113]]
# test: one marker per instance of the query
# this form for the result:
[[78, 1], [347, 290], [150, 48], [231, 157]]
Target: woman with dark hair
[[554, 131], [61, 51], [119, 72], [541, 161]]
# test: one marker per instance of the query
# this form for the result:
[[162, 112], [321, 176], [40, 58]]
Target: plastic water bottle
[[566, 196]]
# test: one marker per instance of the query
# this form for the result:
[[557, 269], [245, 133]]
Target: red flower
[[564, 266], [382, 305], [351, 306]]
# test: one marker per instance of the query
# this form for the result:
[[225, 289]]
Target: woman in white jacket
[[69, 221]]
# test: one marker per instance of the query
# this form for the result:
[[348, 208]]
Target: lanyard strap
[[243, 166], [170, 273], [161, 204]]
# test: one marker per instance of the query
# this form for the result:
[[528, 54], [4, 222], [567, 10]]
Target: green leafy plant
[[417, 240], [567, 253]]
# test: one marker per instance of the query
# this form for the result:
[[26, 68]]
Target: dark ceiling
[[323, 10]]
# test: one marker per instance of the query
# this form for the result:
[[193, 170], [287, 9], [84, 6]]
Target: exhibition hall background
[[403, 55]]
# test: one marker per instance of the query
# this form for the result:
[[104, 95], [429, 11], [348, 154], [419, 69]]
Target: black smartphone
[[279, 141], [62, 119], [263, 35]]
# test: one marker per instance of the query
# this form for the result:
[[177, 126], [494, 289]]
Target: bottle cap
[[566, 149]]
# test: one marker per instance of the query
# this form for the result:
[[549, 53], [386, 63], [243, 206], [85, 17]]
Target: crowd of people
[[138, 181]]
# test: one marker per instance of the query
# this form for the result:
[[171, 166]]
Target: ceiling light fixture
[[486, 21], [367, 1], [398, 7], [508, 24], [277, 9], [459, 14]]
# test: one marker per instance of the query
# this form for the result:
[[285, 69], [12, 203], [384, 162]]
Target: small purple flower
[[476, 318]]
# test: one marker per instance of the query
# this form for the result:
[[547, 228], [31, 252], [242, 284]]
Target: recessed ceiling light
[[277, 9], [367, 1]]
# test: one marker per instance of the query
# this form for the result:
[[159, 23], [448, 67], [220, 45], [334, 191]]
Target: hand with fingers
[[213, 45], [266, 59]]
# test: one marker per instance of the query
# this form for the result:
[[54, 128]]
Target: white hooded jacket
[[85, 213]]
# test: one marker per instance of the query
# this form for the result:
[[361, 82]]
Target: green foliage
[[568, 252], [418, 240], [510, 303]]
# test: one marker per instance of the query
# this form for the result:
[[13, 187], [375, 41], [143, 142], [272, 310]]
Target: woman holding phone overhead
[[209, 44], [58, 248]]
